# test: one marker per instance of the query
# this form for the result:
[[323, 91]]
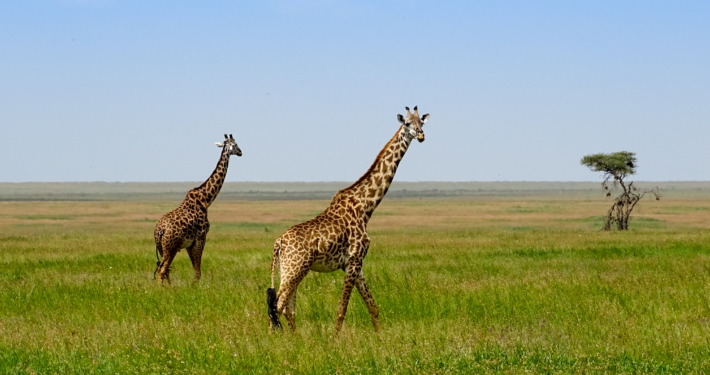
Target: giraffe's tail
[[271, 297], [275, 259], [158, 251]]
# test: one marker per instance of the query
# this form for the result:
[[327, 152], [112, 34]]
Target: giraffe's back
[[321, 238], [180, 227]]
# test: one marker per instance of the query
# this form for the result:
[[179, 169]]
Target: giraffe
[[337, 238], [186, 227]]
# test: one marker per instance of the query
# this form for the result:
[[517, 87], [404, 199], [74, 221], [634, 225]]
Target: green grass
[[452, 299]]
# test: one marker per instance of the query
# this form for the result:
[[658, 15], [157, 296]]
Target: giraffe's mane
[[211, 174], [377, 160]]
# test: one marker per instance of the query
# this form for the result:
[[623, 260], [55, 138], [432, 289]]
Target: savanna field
[[464, 284]]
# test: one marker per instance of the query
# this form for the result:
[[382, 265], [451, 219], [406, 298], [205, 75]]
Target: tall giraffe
[[337, 238], [186, 227]]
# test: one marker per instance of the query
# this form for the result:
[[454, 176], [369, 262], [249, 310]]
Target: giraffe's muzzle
[[420, 137]]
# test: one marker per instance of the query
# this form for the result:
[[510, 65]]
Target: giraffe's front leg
[[351, 273], [195, 253]]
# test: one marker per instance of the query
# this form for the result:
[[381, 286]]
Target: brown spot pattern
[[186, 226], [337, 238]]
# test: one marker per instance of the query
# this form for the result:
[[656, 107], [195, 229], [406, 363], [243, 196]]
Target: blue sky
[[115, 90]]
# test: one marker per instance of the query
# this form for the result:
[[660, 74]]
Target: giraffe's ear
[[218, 144], [425, 118], [400, 118]]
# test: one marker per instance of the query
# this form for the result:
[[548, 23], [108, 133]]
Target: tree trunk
[[620, 212]]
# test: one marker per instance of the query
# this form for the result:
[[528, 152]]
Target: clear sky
[[114, 90]]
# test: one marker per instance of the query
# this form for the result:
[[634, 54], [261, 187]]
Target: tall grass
[[519, 290]]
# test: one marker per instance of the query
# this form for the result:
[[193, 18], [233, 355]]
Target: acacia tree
[[616, 167]]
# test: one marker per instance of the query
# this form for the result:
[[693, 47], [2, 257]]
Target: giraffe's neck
[[209, 189], [373, 185]]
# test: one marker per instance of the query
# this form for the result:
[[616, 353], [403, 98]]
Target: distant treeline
[[91, 191]]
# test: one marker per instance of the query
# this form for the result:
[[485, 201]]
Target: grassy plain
[[464, 284]]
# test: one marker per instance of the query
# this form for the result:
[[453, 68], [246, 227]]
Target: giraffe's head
[[413, 124], [229, 146]]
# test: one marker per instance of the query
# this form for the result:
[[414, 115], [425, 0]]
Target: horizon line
[[328, 182]]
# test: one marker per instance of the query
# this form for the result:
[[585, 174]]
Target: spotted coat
[[186, 226], [337, 238]]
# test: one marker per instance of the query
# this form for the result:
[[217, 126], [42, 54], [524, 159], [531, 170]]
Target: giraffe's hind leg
[[292, 273], [369, 301], [286, 303], [290, 310], [158, 236], [169, 253], [158, 255]]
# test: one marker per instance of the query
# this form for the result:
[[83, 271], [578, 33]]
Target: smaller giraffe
[[186, 227]]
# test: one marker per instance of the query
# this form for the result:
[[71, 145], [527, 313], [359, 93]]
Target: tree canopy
[[617, 164], [620, 163]]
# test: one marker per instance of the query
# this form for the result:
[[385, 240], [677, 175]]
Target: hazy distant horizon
[[339, 182], [244, 190]]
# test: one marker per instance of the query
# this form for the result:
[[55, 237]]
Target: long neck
[[209, 189], [373, 185]]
